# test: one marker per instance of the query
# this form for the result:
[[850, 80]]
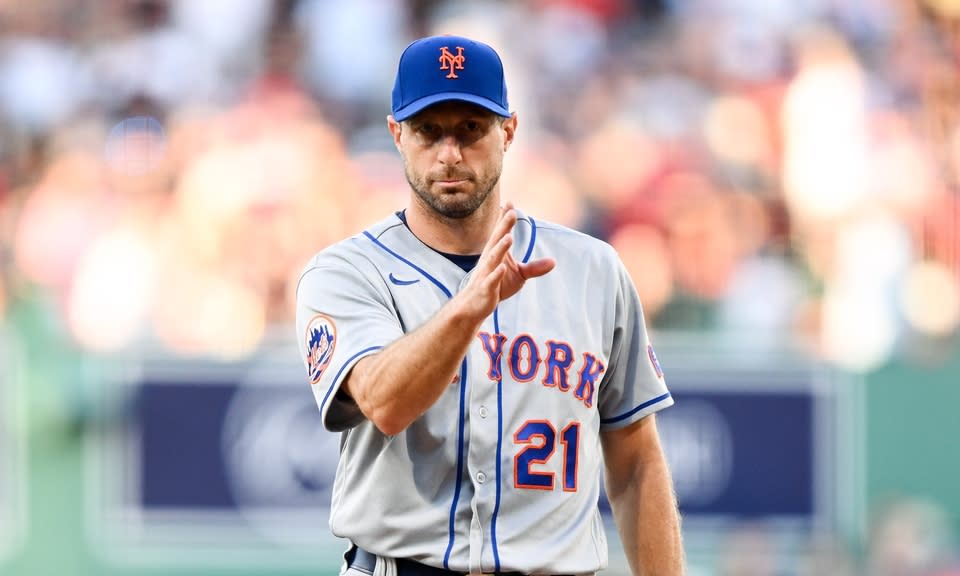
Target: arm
[[399, 383], [641, 494]]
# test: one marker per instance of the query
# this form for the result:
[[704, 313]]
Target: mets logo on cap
[[450, 61], [321, 338]]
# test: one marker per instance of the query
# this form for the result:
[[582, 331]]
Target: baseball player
[[481, 364]]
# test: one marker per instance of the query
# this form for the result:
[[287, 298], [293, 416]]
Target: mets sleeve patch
[[653, 360], [320, 340]]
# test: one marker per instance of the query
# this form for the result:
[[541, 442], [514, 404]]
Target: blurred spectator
[[743, 157], [739, 155], [43, 79], [347, 48], [149, 55]]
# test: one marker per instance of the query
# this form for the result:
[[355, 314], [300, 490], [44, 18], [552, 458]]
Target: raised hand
[[498, 275]]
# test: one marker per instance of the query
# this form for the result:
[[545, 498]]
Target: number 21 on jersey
[[538, 441]]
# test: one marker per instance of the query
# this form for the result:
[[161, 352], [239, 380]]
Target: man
[[478, 361]]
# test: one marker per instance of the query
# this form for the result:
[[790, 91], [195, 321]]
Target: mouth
[[451, 183]]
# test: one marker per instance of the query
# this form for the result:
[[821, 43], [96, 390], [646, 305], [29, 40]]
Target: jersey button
[[483, 411], [481, 477]]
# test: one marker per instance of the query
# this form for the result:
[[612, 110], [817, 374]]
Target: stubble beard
[[453, 206]]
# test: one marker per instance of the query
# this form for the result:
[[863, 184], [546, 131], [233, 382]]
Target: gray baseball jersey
[[502, 472]]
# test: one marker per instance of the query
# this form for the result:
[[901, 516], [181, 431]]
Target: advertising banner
[[230, 463]]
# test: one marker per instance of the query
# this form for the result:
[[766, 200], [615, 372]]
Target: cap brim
[[427, 101]]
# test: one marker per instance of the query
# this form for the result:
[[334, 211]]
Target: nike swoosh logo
[[400, 282]]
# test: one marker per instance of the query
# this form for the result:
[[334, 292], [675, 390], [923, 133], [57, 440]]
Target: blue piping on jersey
[[496, 330], [410, 264], [496, 506], [463, 394], [340, 372], [533, 239], [660, 398], [456, 490]]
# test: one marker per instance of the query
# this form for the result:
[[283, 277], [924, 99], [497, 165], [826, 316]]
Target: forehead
[[451, 110]]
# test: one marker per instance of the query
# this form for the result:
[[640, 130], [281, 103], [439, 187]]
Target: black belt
[[363, 560]]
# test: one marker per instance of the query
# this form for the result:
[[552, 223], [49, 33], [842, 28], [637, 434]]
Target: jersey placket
[[482, 437]]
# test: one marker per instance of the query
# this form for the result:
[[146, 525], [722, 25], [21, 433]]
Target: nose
[[449, 153]]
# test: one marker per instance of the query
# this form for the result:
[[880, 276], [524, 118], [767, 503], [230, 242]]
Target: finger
[[492, 282], [537, 268], [494, 255], [503, 226], [502, 249]]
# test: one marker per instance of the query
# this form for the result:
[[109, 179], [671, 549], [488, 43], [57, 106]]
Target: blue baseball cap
[[440, 68]]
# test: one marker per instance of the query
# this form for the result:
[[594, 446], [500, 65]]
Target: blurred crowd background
[[776, 173]]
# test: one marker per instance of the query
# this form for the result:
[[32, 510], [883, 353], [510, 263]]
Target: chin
[[457, 212]]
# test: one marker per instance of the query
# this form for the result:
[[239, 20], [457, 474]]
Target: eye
[[470, 131], [430, 130]]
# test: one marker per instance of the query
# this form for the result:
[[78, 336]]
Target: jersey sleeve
[[634, 384], [342, 316]]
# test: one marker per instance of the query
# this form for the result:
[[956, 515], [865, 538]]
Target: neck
[[454, 235]]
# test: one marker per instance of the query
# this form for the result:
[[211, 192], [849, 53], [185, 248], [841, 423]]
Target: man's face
[[453, 155]]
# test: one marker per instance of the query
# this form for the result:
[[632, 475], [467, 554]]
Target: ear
[[395, 130], [509, 127]]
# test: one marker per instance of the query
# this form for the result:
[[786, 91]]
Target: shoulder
[[340, 255]]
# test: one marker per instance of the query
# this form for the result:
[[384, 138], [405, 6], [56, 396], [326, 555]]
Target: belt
[[366, 561]]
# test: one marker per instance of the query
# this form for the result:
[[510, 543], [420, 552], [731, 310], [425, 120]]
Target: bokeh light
[[736, 131], [59, 220], [859, 323], [859, 328], [930, 298], [111, 295], [825, 132]]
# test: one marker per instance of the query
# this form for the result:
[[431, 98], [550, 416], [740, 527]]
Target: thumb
[[537, 268]]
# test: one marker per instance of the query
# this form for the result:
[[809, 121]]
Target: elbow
[[380, 411], [386, 416], [388, 424], [385, 411]]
